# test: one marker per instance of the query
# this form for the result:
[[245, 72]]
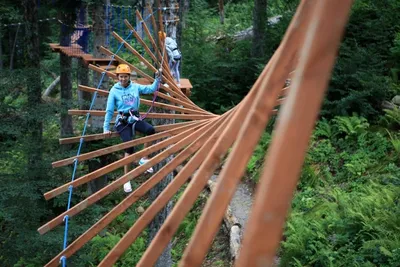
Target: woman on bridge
[[124, 96]]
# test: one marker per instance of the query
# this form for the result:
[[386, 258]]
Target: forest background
[[346, 209]]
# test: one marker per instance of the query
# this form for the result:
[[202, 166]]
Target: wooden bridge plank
[[125, 178], [134, 196], [149, 115]]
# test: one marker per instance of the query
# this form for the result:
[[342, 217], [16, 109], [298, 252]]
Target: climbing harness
[[128, 119]]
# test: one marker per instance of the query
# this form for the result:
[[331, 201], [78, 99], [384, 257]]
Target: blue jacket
[[125, 98]]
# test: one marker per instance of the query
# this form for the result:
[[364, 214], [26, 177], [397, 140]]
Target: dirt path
[[241, 203]]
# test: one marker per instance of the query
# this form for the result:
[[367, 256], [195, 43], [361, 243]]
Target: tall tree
[[165, 259], [99, 39], [83, 71], [32, 63], [1, 50], [67, 17], [259, 26], [221, 11]]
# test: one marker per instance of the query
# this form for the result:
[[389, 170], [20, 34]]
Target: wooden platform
[[89, 59], [186, 86], [73, 50], [76, 51]]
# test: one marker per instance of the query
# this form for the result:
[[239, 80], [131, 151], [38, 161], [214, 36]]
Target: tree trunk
[[259, 24], [165, 259], [51, 87], [84, 98], [83, 73], [221, 11], [32, 62], [1, 50], [65, 75], [99, 39], [13, 48]]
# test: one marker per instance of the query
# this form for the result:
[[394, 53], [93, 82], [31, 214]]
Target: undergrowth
[[346, 209]]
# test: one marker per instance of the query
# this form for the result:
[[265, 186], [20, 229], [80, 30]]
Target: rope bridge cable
[[63, 259], [66, 218], [70, 189], [158, 87], [22, 23]]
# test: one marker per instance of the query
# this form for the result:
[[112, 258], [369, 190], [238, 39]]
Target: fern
[[351, 126], [323, 129], [395, 142], [392, 117]]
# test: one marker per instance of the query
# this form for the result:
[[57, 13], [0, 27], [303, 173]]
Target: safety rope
[[63, 259], [22, 23], [159, 84]]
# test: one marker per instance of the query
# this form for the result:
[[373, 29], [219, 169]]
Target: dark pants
[[126, 133]]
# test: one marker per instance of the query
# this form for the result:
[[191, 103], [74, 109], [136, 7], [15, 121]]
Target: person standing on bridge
[[174, 56], [124, 96]]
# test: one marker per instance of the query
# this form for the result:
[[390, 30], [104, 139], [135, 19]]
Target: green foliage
[[345, 211], [361, 78], [224, 68], [392, 118], [351, 126], [344, 228], [256, 161]]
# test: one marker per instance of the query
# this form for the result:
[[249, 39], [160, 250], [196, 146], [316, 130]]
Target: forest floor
[[219, 254]]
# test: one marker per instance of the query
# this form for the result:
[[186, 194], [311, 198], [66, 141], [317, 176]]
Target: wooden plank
[[172, 188], [249, 133], [169, 90], [215, 154], [147, 31], [121, 60], [100, 136], [99, 70], [107, 67], [120, 163], [134, 196], [124, 145], [135, 52], [283, 166], [169, 78], [145, 101], [173, 88], [185, 83], [140, 40], [93, 90], [123, 179], [89, 59], [149, 115]]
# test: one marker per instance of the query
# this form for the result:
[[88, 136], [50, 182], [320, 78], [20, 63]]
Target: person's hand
[[107, 133], [159, 73]]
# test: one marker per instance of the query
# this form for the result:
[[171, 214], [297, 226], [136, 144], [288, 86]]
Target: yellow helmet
[[162, 35], [123, 69]]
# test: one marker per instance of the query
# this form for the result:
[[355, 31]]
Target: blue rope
[[70, 188], [106, 8], [63, 259], [111, 24], [129, 14]]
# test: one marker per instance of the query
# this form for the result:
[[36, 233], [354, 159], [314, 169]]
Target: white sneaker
[[128, 187], [143, 161]]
